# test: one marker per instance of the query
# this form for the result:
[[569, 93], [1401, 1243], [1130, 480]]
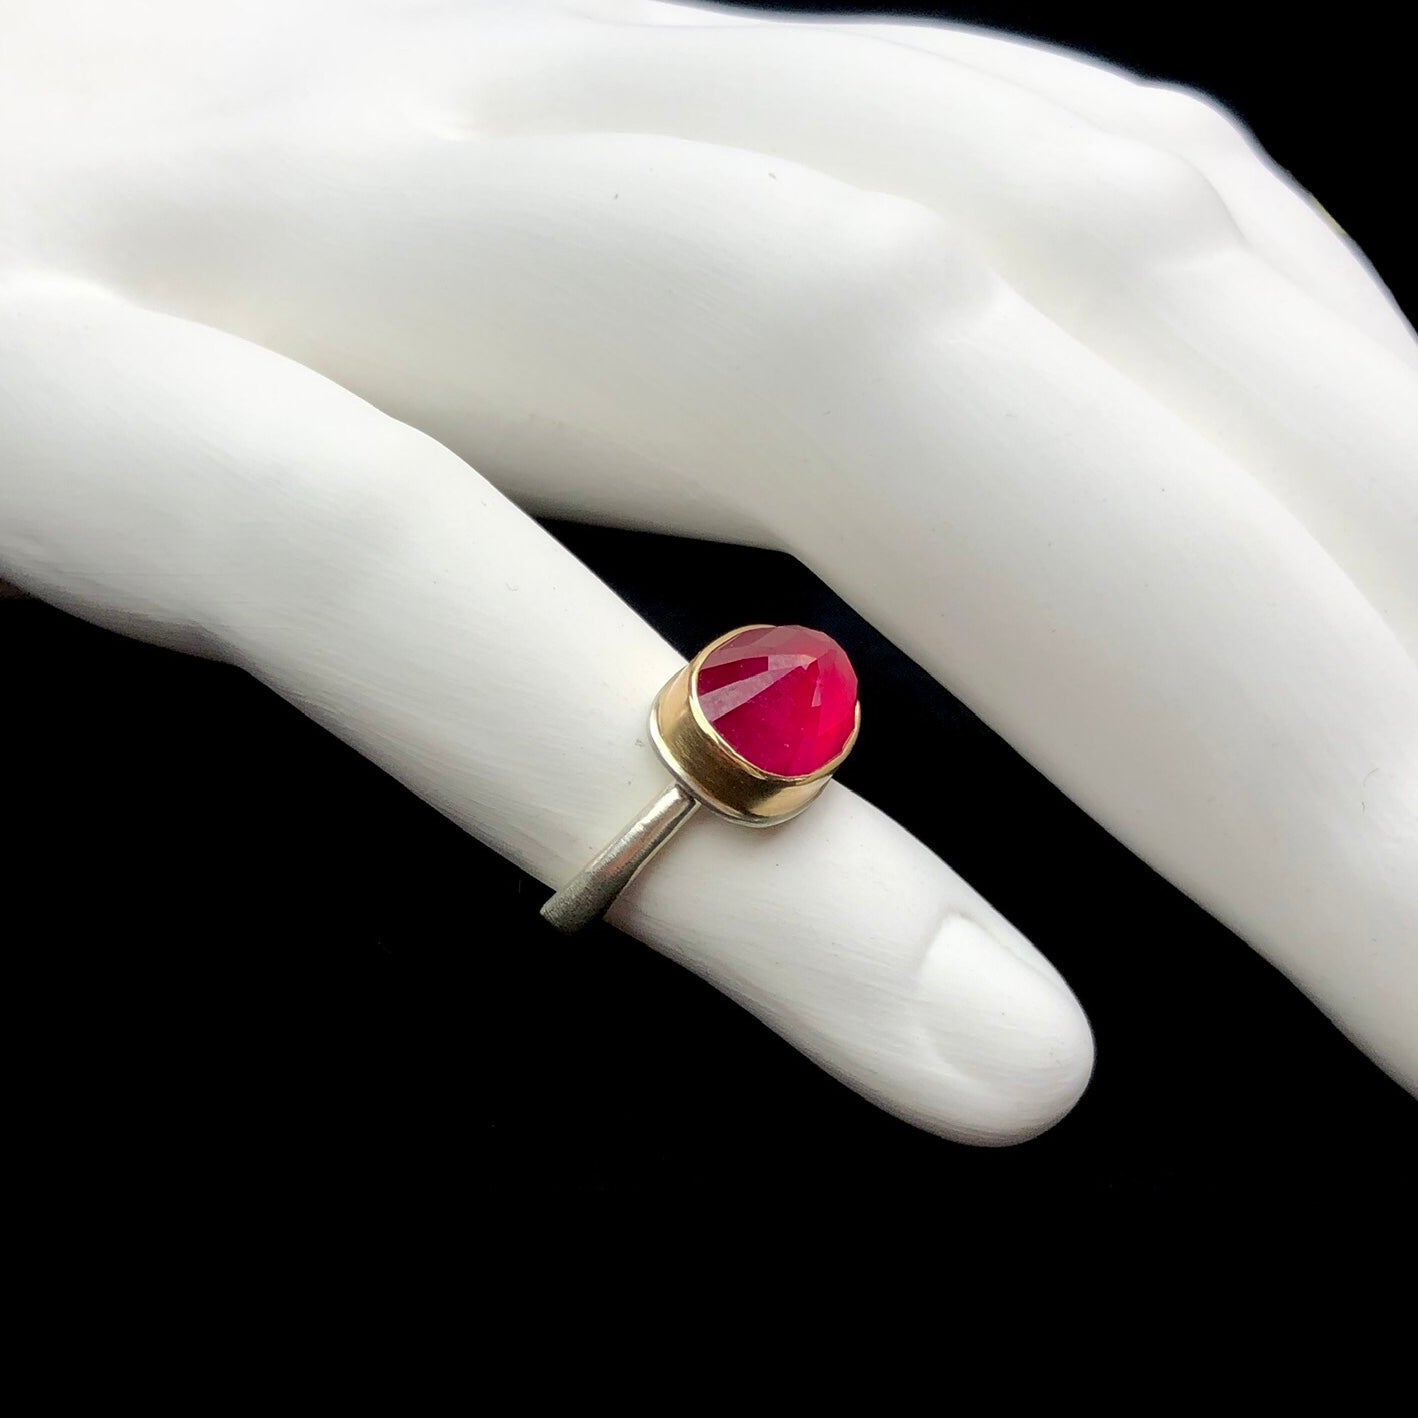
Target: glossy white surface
[[1049, 374]]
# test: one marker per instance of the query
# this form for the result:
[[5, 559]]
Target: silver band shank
[[588, 895]]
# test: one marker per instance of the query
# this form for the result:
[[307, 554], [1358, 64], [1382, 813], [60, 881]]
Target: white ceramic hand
[[1064, 392]]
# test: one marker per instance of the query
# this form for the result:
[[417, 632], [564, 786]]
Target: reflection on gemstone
[[784, 697]]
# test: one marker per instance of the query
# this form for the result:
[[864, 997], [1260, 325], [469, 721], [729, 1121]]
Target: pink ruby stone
[[784, 697]]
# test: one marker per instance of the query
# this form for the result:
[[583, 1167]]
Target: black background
[[253, 976]]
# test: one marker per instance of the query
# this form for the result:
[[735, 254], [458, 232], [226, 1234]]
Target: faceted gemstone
[[784, 697]]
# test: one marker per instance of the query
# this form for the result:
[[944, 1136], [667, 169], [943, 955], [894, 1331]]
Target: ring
[[751, 728]]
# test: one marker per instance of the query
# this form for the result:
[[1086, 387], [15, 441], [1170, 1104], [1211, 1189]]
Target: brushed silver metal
[[588, 895]]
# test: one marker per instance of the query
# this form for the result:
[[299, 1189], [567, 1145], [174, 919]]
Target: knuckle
[[1193, 121], [889, 252], [1146, 203]]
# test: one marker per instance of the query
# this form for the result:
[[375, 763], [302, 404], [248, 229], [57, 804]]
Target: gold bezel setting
[[716, 773]]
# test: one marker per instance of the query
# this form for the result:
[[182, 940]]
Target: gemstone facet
[[782, 696]]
